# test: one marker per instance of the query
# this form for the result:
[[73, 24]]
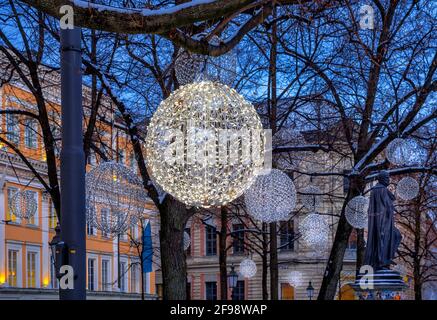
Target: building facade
[[26, 264]]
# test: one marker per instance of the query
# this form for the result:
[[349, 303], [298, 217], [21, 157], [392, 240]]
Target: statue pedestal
[[381, 285]]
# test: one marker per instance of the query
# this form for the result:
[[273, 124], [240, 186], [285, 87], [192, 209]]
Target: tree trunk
[[273, 262], [416, 257], [174, 268], [334, 266], [265, 293], [222, 255], [361, 249]]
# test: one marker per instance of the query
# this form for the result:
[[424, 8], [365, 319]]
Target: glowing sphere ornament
[[188, 66], [23, 204], [115, 198], [398, 151], [271, 197], [407, 188], [294, 278], [314, 230], [205, 144], [187, 240], [311, 198], [247, 268], [356, 212]]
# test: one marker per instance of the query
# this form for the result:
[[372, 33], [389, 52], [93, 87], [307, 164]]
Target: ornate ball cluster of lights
[[407, 188], [187, 240], [247, 268], [398, 152], [23, 204], [115, 198], [314, 230], [271, 197], [294, 278], [356, 212], [311, 197], [205, 144], [188, 66]]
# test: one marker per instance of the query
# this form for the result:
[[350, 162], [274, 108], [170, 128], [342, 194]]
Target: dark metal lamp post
[[232, 280], [57, 250], [310, 291]]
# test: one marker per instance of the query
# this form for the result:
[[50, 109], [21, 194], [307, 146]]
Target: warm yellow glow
[[114, 177], [44, 157], [45, 281], [2, 278]]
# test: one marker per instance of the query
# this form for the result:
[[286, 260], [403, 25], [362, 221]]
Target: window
[[123, 276], [30, 134], [287, 235], [12, 128], [211, 240], [105, 275], [238, 293], [134, 278], [238, 234], [9, 215], [159, 290], [121, 156], [89, 229], [31, 269], [91, 274], [34, 219], [352, 242], [12, 267], [211, 290], [287, 292]]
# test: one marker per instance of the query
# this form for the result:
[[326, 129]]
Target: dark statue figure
[[383, 237]]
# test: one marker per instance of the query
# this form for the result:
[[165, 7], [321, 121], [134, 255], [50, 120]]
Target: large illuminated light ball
[[407, 188], [356, 212], [311, 197], [314, 230], [295, 278], [398, 151], [205, 144], [115, 198], [247, 268], [23, 204], [271, 197]]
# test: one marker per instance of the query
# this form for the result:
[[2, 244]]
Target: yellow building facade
[[113, 267]]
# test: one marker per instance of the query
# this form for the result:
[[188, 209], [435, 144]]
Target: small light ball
[[188, 66], [23, 204], [205, 144], [311, 198], [247, 268], [187, 240], [115, 198], [356, 212], [407, 188], [271, 197], [295, 278], [398, 151], [314, 230]]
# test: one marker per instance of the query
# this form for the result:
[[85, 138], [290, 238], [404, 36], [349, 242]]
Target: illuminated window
[[30, 134], [31, 269], [12, 267], [9, 215]]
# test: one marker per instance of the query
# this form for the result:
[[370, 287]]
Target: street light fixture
[[310, 291], [57, 250], [232, 280]]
